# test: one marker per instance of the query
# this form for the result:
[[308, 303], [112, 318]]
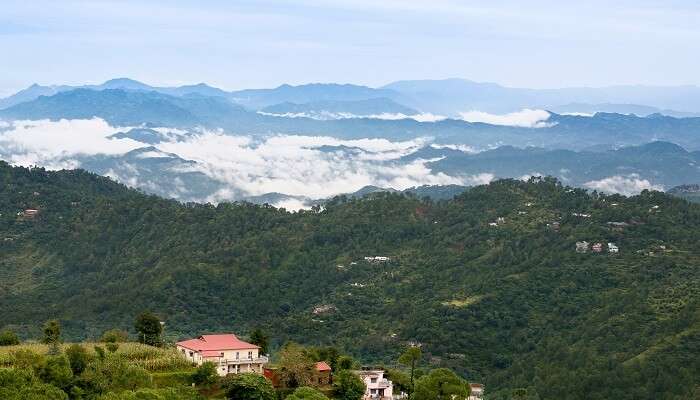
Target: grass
[[152, 359]]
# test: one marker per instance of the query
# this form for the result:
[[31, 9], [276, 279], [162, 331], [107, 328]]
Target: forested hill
[[511, 305]]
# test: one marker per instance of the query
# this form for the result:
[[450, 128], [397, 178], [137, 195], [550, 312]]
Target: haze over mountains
[[293, 145]]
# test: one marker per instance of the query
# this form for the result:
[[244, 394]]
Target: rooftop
[[227, 341]]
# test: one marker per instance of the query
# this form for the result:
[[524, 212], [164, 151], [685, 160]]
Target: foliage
[[347, 386], [410, 358], [56, 371], [344, 362], [440, 384], [259, 338], [295, 367], [248, 386], [306, 393], [400, 379], [149, 328], [205, 374], [52, 332], [114, 336], [154, 394], [510, 306], [22, 384], [78, 358], [8, 338]]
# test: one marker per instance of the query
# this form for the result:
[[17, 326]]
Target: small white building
[[230, 354], [612, 248], [377, 387], [377, 259], [477, 391], [582, 247]]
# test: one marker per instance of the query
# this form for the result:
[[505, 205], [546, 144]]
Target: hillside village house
[[230, 354], [377, 387], [477, 391]]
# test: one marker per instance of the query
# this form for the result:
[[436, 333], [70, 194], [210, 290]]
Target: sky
[[264, 43]]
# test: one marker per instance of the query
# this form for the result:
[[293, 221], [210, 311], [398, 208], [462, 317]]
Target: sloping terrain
[[489, 282]]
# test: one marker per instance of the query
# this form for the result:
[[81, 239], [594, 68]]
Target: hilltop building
[[612, 248], [230, 354], [29, 213], [477, 391], [377, 386], [582, 247]]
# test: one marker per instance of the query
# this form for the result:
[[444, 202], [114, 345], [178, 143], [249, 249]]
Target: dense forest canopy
[[489, 283]]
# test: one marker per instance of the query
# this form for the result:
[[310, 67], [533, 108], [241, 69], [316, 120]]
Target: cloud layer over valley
[[238, 166], [288, 170]]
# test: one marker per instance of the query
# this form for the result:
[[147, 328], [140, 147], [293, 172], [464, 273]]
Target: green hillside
[[511, 305]]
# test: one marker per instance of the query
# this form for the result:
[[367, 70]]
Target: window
[[191, 354], [222, 354], [250, 355], [236, 355], [373, 380]]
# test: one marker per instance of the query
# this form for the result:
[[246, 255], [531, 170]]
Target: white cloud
[[579, 114], [294, 165], [242, 165], [327, 115], [628, 185], [478, 179], [460, 147], [527, 177], [525, 118], [54, 144], [292, 204]]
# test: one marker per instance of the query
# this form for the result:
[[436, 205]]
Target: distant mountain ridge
[[447, 96], [330, 109], [138, 108], [450, 96]]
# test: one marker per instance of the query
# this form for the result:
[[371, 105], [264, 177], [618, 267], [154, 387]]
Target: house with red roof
[[230, 354]]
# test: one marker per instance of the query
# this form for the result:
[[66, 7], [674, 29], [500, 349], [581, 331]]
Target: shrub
[[248, 387], [78, 358], [306, 393], [8, 338], [348, 386], [205, 374], [114, 336]]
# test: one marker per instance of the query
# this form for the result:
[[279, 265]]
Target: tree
[[401, 380], [112, 347], [306, 393], [296, 368], [248, 386], [114, 336], [440, 384], [205, 374], [52, 332], [149, 328], [348, 386], [100, 352], [519, 393], [410, 358], [259, 338], [78, 358], [8, 338], [22, 384], [344, 362], [57, 372]]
